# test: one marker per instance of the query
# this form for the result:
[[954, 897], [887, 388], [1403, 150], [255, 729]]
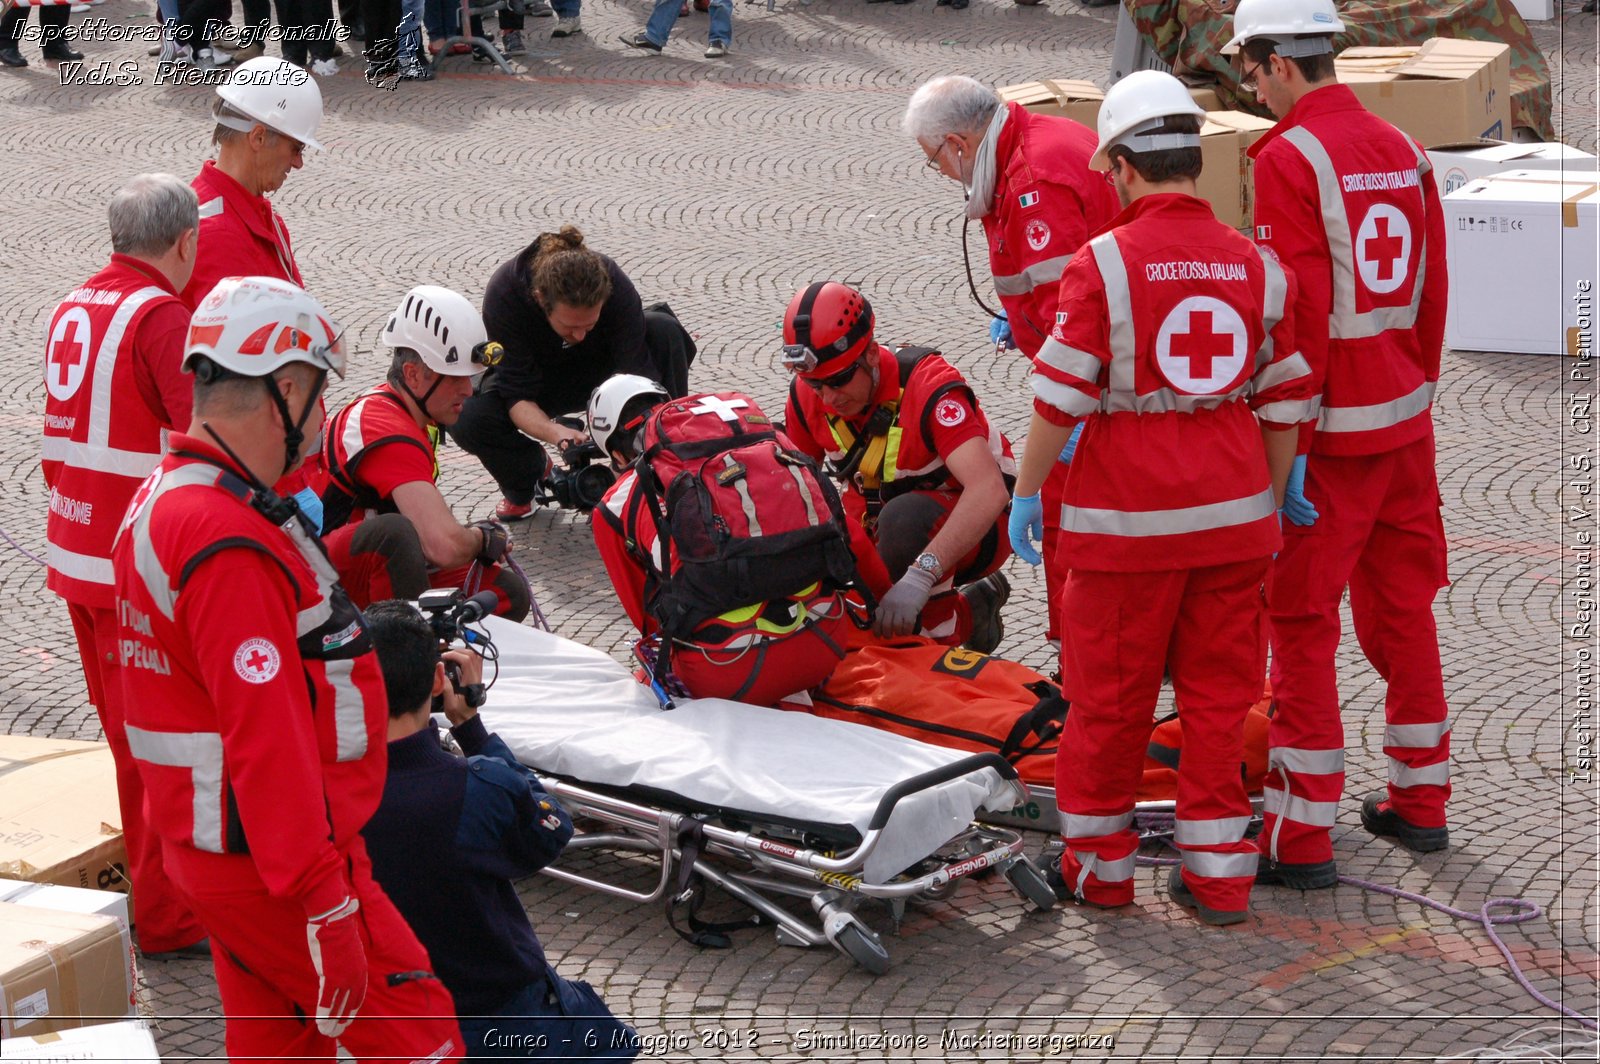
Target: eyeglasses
[[837, 381], [1247, 80], [932, 161]]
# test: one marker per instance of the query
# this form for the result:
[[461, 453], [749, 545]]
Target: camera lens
[[590, 484]]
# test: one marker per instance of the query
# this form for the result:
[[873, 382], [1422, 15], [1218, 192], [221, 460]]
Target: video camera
[[578, 484], [448, 613]]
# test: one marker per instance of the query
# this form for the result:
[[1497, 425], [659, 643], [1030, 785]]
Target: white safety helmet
[[444, 329], [1136, 106], [253, 325], [606, 404], [1284, 19], [277, 94]]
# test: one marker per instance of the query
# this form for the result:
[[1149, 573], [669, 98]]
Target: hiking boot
[[1379, 818], [511, 43], [1180, 892], [639, 40], [571, 27], [506, 510], [1315, 875], [717, 50], [984, 599]]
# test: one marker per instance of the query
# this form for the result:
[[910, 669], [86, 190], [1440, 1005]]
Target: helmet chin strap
[[293, 429], [422, 400]]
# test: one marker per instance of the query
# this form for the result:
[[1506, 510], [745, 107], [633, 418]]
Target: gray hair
[[951, 104], [150, 213], [222, 134]]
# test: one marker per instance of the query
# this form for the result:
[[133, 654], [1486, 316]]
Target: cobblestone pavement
[[723, 187]]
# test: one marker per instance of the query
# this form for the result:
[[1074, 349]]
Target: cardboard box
[[1456, 164], [128, 1040], [61, 970], [66, 899], [1225, 178], [59, 819], [1524, 263], [1443, 92], [1069, 98]]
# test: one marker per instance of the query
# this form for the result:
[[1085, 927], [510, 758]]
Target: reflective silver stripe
[[1228, 514], [1220, 865], [1274, 296], [1282, 372], [1420, 736], [1077, 826], [1066, 359], [1344, 323], [105, 367], [1042, 272], [1377, 416], [1218, 832], [157, 582], [201, 752], [349, 717], [1403, 775], [1064, 397], [1166, 401], [1118, 871], [212, 208], [123, 463], [741, 485], [805, 493], [1287, 411], [350, 439], [313, 616], [1308, 762], [1119, 302], [1300, 810], [85, 567]]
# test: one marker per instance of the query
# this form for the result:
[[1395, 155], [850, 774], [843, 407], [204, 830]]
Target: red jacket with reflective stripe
[[1176, 339], [372, 421], [256, 708], [240, 236], [1348, 203], [113, 349], [1046, 203]]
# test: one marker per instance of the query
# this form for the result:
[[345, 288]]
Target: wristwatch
[[928, 562]]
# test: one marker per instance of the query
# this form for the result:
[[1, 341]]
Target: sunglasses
[[837, 381]]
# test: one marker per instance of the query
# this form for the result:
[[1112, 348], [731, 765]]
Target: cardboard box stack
[[1442, 92], [59, 819], [62, 968], [128, 1040], [1456, 164], [1524, 249]]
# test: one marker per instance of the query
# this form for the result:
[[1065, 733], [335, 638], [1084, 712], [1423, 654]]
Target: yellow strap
[[871, 468]]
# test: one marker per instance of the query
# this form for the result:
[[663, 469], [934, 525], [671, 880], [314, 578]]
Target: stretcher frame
[[757, 868]]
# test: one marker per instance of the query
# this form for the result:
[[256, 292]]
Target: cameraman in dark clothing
[[569, 319], [446, 841]]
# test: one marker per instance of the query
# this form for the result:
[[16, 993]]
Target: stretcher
[[768, 806]]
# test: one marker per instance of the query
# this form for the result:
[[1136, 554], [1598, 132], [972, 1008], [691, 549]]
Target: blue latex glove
[[1026, 527], [1295, 506], [311, 506], [1000, 334], [1071, 446]]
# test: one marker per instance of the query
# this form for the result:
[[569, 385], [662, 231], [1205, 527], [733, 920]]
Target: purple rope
[[534, 612], [20, 549]]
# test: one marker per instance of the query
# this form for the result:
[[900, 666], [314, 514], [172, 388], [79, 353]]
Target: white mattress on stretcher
[[569, 710]]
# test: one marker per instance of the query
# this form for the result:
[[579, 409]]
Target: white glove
[[902, 605]]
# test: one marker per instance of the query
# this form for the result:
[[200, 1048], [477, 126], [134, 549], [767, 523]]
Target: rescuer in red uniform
[[1027, 179], [922, 472], [1175, 346], [256, 708], [113, 382], [1348, 202]]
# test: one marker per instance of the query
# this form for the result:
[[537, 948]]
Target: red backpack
[[743, 515]]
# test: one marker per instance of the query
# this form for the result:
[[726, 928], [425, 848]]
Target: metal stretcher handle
[[932, 778]]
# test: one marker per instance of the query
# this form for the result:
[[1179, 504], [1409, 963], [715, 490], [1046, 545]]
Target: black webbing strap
[[690, 893]]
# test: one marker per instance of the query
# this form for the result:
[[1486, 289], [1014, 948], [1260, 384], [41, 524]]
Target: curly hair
[[567, 272]]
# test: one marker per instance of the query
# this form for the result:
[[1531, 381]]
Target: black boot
[[11, 57], [58, 51]]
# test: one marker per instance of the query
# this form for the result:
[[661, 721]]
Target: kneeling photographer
[[569, 319], [451, 833]]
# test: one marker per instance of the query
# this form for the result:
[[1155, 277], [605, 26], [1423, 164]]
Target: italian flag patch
[[1028, 199]]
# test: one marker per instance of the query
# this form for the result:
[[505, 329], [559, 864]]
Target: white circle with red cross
[[1202, 345], [67, 354], [1383, 249], [256, 661]]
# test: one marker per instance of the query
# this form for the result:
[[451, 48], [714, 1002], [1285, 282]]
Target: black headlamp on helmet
[[488, 353]]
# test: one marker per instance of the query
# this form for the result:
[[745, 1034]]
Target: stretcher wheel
[[863, 947], [1030, 883]]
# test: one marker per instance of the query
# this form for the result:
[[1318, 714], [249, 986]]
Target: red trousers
[[1055, 576], [1379, 532], [268, 985], [769, 671], [391, 565], [1119, 632], [161, 916]]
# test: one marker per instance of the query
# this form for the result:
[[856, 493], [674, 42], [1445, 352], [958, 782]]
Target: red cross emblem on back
[[1383, 249], [67, 355], [1202, 345]]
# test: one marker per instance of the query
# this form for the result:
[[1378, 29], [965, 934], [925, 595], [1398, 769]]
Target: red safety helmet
[[827, 327]]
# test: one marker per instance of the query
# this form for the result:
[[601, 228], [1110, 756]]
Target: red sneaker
[[506, 510]]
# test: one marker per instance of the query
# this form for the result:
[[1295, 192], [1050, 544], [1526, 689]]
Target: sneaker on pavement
[[639, 40], [717, 50], [538, 9], [1315, 875], [416, 70], [1180, 892], [1379, 818], [211, 58], [984, 599], [511, 43], [506, 510], [571, 27], [324, 68]]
